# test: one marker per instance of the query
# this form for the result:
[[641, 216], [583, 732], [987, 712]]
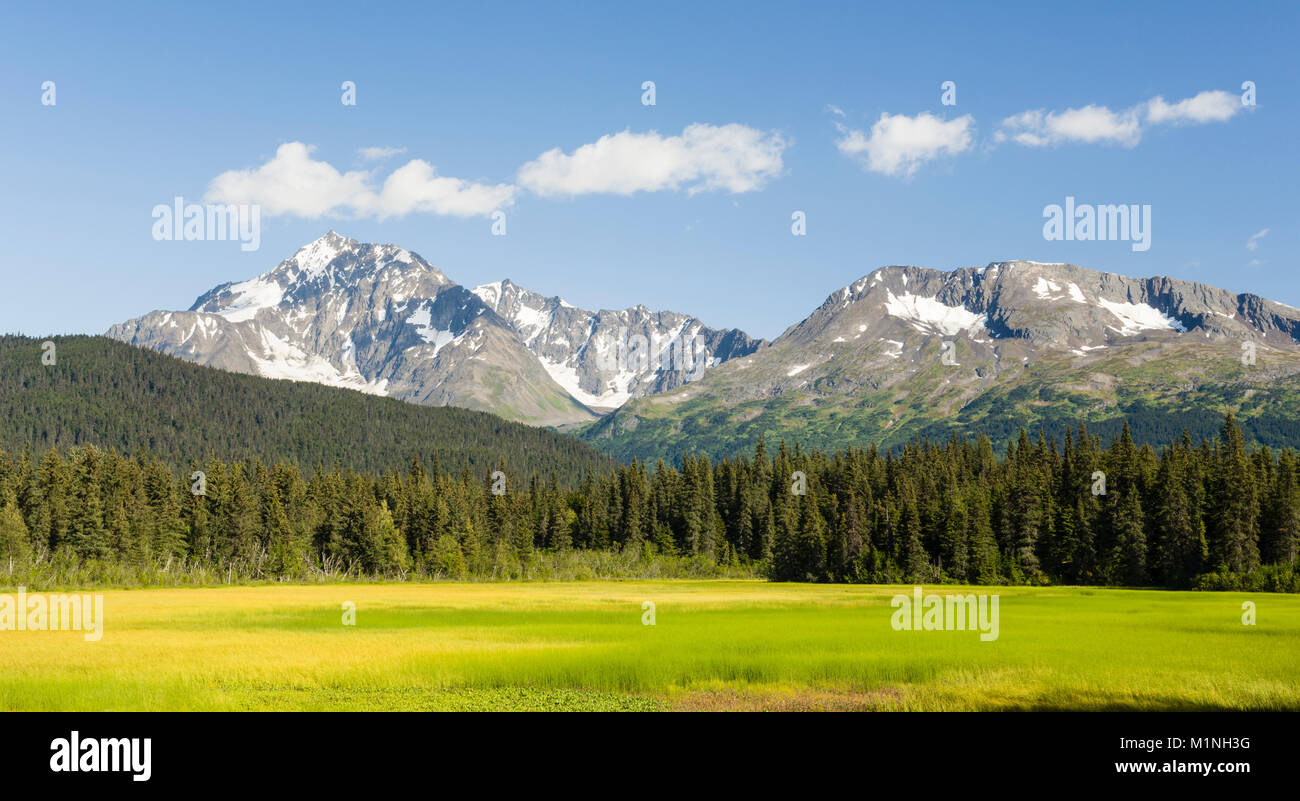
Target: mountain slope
[[605, 358], [375, 318], [1031, 344], [102, 392]]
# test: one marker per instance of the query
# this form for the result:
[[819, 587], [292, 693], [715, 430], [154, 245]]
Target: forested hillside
[[104, 393], [1211, 514]]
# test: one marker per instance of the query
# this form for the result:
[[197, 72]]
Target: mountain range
[[907, 351], [902, 352], [383, 320]]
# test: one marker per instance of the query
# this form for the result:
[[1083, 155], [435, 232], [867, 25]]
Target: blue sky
[[159, 100]]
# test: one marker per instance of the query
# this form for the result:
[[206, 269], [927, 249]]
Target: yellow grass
[[715, 645]]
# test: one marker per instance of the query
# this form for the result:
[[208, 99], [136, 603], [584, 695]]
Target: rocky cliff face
[[605, 358]]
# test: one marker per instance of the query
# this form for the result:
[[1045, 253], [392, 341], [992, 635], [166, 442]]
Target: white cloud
[[734, 157], [416, 187], [290, 183], [1253, 242], [1210, 106], [899, 144], [834, 109], [1090, 124], [380, 153], [1099, 124], [294, 183]]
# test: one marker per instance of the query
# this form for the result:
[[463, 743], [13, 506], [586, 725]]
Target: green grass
[[716, 645]]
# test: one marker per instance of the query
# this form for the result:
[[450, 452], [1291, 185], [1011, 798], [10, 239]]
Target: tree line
[[1213, 514]]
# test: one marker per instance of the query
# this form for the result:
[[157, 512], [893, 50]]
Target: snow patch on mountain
[[1047, 289], [616, 391], [567, 378], [929, 315], [281, 359], [437, 337], [250, 297], [1138, 317], [489, 293]]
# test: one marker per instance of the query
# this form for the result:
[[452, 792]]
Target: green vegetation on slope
[[1159, 396], [104, 393]]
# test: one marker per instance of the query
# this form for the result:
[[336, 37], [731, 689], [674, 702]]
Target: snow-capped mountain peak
[[330, 264], [313, 257], [381, 319], [377, 318]]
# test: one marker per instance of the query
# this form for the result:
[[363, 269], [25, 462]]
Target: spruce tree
[[1234, 544], [15, 539]]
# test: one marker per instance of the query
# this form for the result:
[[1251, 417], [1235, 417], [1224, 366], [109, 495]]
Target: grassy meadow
[[742, 645]]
